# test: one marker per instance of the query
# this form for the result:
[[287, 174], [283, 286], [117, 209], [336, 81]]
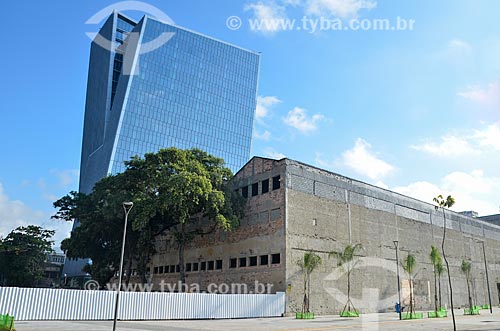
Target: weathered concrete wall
[[317, 210], [325, 212]]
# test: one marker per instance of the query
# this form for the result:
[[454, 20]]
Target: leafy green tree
[[22, 255], [182, 192], [409, 264], [439, 270], [346, 259], [466, 268], [309, 262], [448, 203], [101, 218], [435, 260]]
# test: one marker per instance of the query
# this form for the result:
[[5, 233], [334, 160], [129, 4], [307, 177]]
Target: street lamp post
[[486, 271], [396, 244], [127, 206]]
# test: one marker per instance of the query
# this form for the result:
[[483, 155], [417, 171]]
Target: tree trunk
[[411, 297], [435, 292], [305, 301], [182, 243], [129, 270], [439, 284], [348, 290], [308, 293], [448, 271], [470, 298]]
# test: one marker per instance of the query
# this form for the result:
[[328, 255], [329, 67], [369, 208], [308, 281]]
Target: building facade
[[154, 85], [293, 208]]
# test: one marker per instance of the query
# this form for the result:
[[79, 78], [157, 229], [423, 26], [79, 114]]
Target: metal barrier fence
[[27, 304]]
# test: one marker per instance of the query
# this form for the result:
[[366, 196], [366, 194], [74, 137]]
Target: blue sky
[[416, 111]]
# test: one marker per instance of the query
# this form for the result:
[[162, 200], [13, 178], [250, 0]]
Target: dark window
[[253, 261], [172, 269], [195, 266], [255, 189], [233, 263], [188, 267], [156, 270], [276, 182], [265, 186], [203, 266], [218, 264], [160, 270], [210, 265], [244, 192], [177, 268], [264, 259], [243, 262], [275, 259]]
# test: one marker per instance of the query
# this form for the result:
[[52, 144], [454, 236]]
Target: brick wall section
[[261, 232]]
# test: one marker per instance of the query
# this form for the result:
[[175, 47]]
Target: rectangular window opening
[[253, 261], [264, 260], [265, 186], [276, 182], [255, 189]]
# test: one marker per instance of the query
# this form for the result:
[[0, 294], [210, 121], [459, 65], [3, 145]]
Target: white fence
[[57, 304]]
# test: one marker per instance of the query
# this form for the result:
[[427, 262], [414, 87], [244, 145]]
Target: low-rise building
[[293, 208]]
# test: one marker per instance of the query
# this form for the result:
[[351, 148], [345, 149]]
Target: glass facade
[[193, 91], [145, 92]]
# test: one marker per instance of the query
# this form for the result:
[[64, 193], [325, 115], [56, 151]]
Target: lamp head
[[128, 205]]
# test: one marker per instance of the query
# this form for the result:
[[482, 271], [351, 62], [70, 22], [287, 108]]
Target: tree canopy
[[22, 255], [171, 190]]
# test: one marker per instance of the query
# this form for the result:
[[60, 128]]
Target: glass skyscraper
[[153, 85]]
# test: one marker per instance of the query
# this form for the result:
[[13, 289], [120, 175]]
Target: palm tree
[[307, 265], [466, 269], [409, 265], [435, 259], [442, 204], [439, 271], [346, 259]]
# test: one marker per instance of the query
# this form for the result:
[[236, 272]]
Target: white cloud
[[298, 119], [266, 135], [338, 8], [14, 213], [489, 137], [472, 191], [364, 162], [448, 146], [271, 153], [264, 106], [487, 96], [459, 45], [469, 143], [269, 13], [65, 177]]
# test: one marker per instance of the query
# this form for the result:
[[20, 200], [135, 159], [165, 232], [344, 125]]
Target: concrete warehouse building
[[293, 208]]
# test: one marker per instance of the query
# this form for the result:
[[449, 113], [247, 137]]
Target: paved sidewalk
[[368, 322]]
